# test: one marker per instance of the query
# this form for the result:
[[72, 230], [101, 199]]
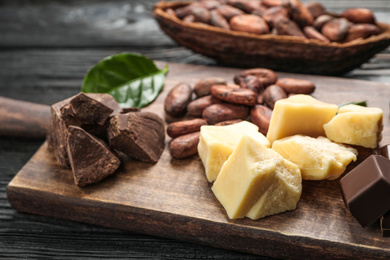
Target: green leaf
[[360, 103], [132, 79]]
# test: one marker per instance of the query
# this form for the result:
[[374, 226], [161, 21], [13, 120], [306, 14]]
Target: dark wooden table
[[46, 47]]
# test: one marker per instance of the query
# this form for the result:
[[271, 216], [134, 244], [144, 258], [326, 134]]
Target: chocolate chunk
[[91, 108], [90, 158], [366, 189], [138, 134], [385, 224], [384, 151], [90, 111]]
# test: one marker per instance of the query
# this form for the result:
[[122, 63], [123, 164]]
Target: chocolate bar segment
[[366, 189], [90, 158], [385, 224], [138, 134]]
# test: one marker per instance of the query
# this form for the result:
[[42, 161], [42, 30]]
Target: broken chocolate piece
[[90, 158], [90, 111], [89, 108], [385, 224], [366, 189], [384, 151], [138, 134]]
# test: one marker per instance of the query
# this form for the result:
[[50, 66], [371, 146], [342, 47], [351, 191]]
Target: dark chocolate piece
[[385, 224], [366, 189], [90, 111], [384, 151], [90, 158], [138, 134]]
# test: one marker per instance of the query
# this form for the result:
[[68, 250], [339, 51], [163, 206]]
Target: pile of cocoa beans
[[214, 101], [281, 17]]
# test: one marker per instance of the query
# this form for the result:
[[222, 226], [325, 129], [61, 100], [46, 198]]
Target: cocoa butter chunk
[[90, 158], [138, 134]]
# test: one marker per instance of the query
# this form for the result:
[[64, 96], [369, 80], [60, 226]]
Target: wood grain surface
[[46, 47], [173, 198]]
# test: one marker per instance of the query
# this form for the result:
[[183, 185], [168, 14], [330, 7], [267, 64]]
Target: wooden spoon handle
[[23, 119]]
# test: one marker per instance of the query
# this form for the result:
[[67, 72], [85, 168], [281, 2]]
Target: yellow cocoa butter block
[[317, 158], [299, 114], [252, 171], [216, 144], [356, 125]]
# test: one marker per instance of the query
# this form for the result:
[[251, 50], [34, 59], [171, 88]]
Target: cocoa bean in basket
[[242, 96], [223, 112], [271, 15], [189, 19], [184, 11], [218, 20], [201, 14], [249, 23], [288, 27], [202, 87], [170, 11], [361, 30], [251, 82], [312, 33], [179, 128], [229, 122], [321, 20], [259, 11], [336, 29], [299, 13], [359, 15], [228, 11], [296, 86], [245, 5], [266, 76], [316, 9], [195, 108], [261, 116], [210, 4], [271, 3], [272, 94], [184, 146], [176, 102]]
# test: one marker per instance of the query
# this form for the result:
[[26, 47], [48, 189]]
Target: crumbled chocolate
[[90, 158], [138, 134]]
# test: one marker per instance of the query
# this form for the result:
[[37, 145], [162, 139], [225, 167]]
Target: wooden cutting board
[[172, 198]]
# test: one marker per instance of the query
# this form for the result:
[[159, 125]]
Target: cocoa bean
[[195, 108], [179, 128], [321, 20], [272, 94], [176, 102], [210, 4], [184, 11], [266, 77], [359, 15], [170, 11], [288, 27], [259, 11], [229, 122], [242, 96], [361, 30], [251, 82], [228, 11], [189, 18], [202, 87], [218, 20], [249, 23], [272, 14], [299, 13], [316, 9], [232, 85], [312, 33], [261, 116], [260, 98], [245, 5], [223, 112], [336, 29], [201, 14], [184, 146], [271, 3], [296, 86]]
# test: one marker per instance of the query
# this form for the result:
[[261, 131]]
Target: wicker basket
[[282, 53]]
